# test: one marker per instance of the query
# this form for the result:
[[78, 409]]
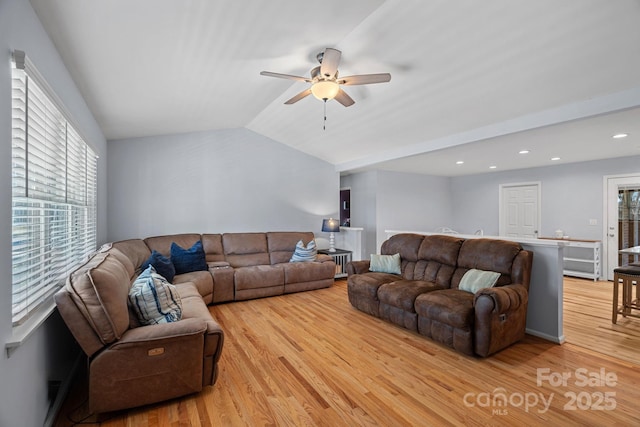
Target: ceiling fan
[[325, 83]]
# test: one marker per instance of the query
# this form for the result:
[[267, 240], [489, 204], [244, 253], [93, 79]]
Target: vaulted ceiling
[[471, 81]]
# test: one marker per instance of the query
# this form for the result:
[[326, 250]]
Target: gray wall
[[384, 200], [218, 181], [572, 194], [411, 202], [363, 207], [47, 353]]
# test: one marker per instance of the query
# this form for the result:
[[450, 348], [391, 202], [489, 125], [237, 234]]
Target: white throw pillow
[[155, 300], [385, 263], [474, 280], [305, 254]]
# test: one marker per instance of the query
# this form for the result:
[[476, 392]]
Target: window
[[54, 198]]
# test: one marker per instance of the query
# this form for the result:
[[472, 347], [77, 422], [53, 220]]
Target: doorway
[[345, 207], [622, 219], [519, 211]]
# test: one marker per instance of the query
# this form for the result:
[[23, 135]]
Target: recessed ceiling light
[[555, 158], [459, 162], [620, 135], [523, 152], [492, 167]]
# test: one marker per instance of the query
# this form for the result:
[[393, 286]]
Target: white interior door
[[612, 187], [520, 210]]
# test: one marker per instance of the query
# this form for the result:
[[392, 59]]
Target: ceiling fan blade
[[284, 76], [330, 61], [365, 79], [344, 99], [299, 96]]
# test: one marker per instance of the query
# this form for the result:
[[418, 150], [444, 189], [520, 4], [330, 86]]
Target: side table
[[341, 257]]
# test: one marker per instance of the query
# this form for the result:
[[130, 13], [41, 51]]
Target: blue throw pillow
[[188, 260], [161, 264]]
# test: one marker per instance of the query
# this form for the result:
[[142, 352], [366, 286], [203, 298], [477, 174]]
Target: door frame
[[502, 187], [607, 240]]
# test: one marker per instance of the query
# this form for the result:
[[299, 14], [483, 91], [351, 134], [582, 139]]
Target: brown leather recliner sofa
[[132, 365], [425, 297]]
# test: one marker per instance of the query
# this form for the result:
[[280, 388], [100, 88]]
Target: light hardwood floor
[[587, 320], [311, 359]]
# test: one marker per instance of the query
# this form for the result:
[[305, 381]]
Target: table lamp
[[332, 226]]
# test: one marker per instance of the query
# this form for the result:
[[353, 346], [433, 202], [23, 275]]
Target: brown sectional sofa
[[132, 365], [425, 298]]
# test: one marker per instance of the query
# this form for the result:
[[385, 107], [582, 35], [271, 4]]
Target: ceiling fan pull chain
[[324, 125]]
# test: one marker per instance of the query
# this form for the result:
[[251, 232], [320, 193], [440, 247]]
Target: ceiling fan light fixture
[[325, 90]]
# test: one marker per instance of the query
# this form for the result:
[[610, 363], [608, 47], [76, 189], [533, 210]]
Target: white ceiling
[[471, 81]]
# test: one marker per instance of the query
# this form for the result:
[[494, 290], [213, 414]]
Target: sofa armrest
[[163, 331], [500, 317], [501, 299], [173, 331], [358, 267], [324, 258]]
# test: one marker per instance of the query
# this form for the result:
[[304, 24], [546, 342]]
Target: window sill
[[22, 332]]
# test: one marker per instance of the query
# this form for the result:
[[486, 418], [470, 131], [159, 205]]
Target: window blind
[[54, 197]]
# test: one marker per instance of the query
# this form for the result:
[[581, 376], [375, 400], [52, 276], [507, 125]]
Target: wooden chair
[[628, 276]]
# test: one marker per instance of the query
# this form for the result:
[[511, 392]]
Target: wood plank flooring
[[310, 359], [587, 320]]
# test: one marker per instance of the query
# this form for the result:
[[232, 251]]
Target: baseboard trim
[[557, 340], [63, 392]]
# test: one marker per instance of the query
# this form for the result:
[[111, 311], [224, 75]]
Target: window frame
[[54, 194]]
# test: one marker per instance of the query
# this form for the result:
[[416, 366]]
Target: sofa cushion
[[259, 276], [430, 271], [385, 263], [154, 299], [162, 244], [203, 281], [134, 249], [297, 272], [281, 244], [246, 249], [100, 290], [437, 258], [163, 265], [212, 245], [440, 248], [124, 260], [304, 253], [403, 293], [367, 284], [451, 307], [406, 244], [188, 260], [474, 280], [488, 254]]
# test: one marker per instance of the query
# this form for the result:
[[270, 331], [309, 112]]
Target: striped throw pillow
[[155, 300], [304, 253]]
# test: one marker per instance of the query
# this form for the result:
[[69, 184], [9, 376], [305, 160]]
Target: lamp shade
[[331, 225]]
